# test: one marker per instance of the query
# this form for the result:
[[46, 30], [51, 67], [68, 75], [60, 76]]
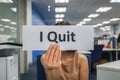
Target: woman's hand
[[52, 58]]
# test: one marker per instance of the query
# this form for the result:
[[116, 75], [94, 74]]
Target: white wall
[[25, 58], [21, 55], [29, 23]]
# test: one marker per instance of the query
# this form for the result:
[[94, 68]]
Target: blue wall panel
[[36, 20]]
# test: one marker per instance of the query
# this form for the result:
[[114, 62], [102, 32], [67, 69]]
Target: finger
[[59, 56], [52, 51], [56, 54], [47, 54]]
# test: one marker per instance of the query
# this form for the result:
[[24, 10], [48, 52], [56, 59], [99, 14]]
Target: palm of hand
[[52, 58]]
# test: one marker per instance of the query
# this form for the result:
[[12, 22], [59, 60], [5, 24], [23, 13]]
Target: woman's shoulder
[[81, 57]]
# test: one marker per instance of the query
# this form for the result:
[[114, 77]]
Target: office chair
[[89, 63], [40, 69], [96, 54]]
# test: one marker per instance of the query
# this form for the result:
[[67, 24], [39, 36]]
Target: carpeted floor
[[31, 74]]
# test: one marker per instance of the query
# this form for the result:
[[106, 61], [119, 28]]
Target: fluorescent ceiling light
[[60, 9], [107, 27], [5, 20], [104, 30], [114, 19], [61, 1], [114, 1], [101, 28], [6, 26], [12, 28], [1, 29], [103, 9], [58, 20], [82, 23], [79, 24], [99, 24], [87, 19], [93, 15], [1, 25], [49, 8], [6, 1], [14, 9], [106, 22], [95, 26], [14, 23], [59, 15]]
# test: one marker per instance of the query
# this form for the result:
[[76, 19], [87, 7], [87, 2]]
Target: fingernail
[[57, 45], [51, 45]]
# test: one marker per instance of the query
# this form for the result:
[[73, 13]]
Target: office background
[[16, 13]]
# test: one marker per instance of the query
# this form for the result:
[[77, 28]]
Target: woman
[[118, 41], [64, 65]]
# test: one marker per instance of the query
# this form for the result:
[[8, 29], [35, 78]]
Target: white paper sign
[[68, 37]]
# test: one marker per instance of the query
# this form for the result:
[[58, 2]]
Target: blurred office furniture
[[84, 52], [107, 42], [114, 51], [114, 42], [41, 72], [9, 68], [109, 71], [101, 41], [96, 54], [89, 64], [118, 41], [9, 61]]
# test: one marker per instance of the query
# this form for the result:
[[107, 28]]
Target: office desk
[[85, 52], [110, 50], [109, 71]]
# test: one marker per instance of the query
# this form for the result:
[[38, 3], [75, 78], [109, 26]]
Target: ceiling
[[77, 10]]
